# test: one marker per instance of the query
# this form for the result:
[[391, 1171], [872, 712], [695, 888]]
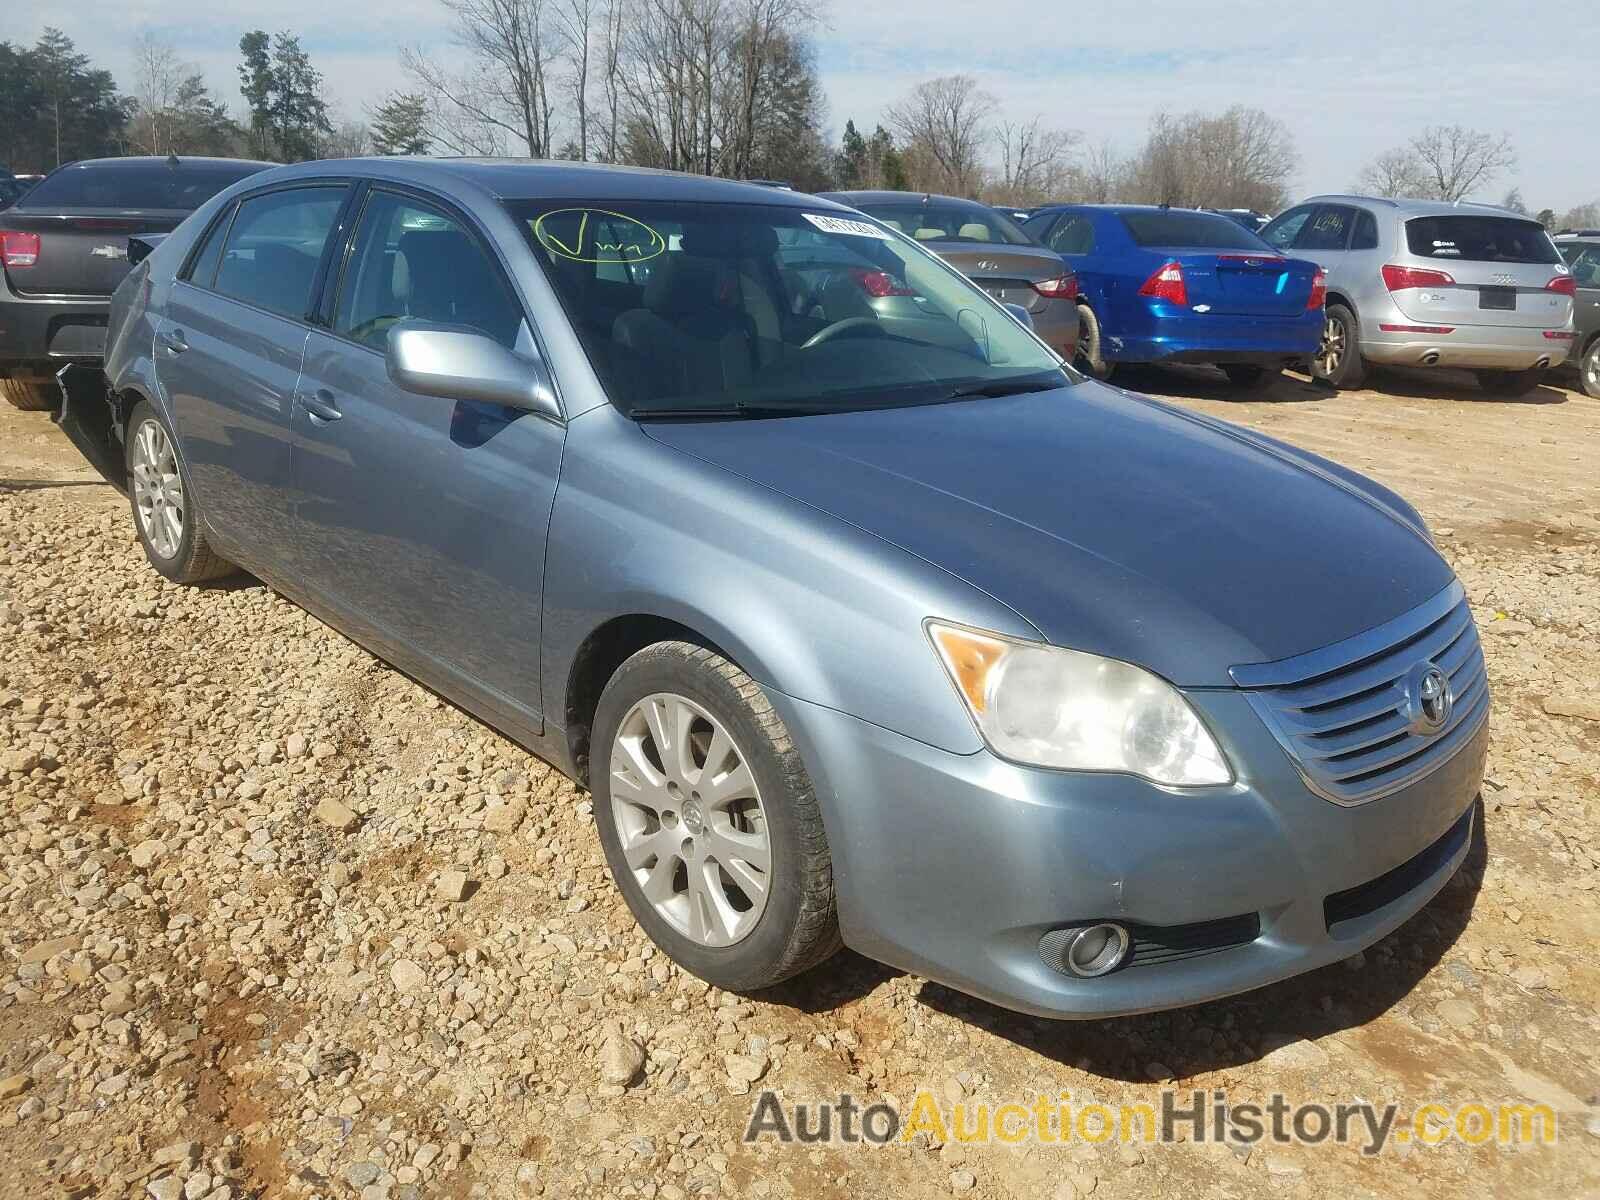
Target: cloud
[[1349, 80]]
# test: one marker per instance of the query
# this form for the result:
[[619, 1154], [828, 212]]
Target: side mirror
[[461, 364], [1022, 316]]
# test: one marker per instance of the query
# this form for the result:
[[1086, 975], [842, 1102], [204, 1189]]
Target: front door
[[422, 519], [228, 360]]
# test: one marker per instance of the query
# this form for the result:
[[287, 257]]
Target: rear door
[[1073, 238], [1480, 269], [423, 520], [1585, 263], [228, 357]]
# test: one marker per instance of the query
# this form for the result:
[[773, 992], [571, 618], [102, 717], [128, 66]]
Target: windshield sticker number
[[846, 225], [597, 235]]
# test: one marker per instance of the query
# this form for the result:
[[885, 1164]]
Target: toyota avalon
[[891, 633]]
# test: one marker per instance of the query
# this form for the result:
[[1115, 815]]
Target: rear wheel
[[164, 510], [708, 819], [1589, 369], [1089, 357], [1338, 359], [1510, 383], [31, 395], [1250, 377]]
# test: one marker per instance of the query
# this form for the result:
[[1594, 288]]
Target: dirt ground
[[232, 963]]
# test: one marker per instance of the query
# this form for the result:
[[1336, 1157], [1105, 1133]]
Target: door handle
[[319, 406], [173, 341]]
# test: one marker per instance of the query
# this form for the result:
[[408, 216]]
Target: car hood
[[1108, 521]]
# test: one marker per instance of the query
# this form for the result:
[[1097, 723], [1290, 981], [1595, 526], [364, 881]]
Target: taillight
[[1319, 290], [879, 284], [1417, 328], [1565, 285], [1062, 287], [1397, 279], [1560, 335], [18, 249], [1167, 284]]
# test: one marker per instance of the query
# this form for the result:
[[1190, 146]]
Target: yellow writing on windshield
[[597, 235]]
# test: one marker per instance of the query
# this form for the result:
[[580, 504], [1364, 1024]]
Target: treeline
[[718, 87]]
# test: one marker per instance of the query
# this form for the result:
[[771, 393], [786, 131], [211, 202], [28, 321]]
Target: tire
[[1589, 369], [797, 925], [1249, 377], [1338, 360], [1510, 383], [32, 395], [184, 557], [1088, 357]]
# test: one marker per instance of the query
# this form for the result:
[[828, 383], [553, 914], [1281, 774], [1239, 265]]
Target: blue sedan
[[1165, 285]]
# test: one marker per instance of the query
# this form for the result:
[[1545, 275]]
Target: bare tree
[[1443, 162], [1035, 162], [1585, 216], [575, 23], [943, 124], [1101, 175], [157, 77], [1239, 158], [611, 52], [349, 139]]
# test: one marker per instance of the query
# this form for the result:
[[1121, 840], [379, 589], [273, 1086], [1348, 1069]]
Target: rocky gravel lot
[[275, 921]]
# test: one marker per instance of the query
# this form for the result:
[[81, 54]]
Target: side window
[[414, 260], [1366, 234], [1329, 229], [204, 267], [1282, 231], [1075, 235], [1038, 228], [1586, 267], [273, 248]]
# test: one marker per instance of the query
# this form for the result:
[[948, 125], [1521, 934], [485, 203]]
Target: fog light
[[1087, 951]]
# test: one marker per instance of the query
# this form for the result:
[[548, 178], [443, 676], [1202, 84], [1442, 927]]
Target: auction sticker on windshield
[[846, 225]]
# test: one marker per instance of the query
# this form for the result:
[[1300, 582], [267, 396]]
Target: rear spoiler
[[140, 246]]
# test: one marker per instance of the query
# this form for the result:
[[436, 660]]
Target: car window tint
[[1366, 234], [1281, 232], [1586, 266], [414, 260], [143, 183], [1184, 228], [948, 222], [1075, 235], [1329, 229], [1038, 226], [1472, 238], [204, 267], [273, 248]]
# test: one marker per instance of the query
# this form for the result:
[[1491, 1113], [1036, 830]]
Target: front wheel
[[1589, 369], [164, 509], [708, 819], [1338, 361], [1510, 383], [31, 395], [1089, 357]]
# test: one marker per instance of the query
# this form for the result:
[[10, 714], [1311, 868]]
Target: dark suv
[[64, 249], [1582, 252]]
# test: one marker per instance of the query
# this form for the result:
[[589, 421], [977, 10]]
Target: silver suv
[[1422, 283]]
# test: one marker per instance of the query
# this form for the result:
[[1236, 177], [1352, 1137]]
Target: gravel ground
[[277, 921]]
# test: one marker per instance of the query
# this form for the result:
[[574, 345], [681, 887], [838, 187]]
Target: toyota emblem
[[1428, 698]]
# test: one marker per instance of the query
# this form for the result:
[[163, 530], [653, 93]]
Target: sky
[[1349, 80]]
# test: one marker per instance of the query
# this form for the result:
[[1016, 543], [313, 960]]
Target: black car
[[1582, 252], [64, 249]]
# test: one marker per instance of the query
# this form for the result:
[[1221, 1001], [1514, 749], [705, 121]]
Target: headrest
[[682, 283], [975, 231], [928, 234]]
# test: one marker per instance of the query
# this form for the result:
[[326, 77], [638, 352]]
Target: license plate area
[[1503, 299]]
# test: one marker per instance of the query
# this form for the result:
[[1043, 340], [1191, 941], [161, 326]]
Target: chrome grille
[[1343, 714]]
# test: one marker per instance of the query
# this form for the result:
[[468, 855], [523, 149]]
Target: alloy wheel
[[1591, 370], [158, 488], [1330, 353], [689, 819]]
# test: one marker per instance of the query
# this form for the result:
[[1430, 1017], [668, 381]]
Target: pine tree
[[400, 125]]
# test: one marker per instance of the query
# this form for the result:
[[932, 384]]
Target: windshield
[[1175, 227], [1481, 239], [936, 222], [712, 309], [137, 185]]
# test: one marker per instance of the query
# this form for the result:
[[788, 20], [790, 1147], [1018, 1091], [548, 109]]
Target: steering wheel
[[828, 333]]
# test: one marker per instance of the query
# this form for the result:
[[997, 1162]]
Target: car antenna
[[172, 160]]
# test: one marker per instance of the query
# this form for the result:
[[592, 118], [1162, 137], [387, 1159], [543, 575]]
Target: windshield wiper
[[1003, 387], [712, 412]]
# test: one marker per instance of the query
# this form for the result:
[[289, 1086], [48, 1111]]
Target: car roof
[[536, 179], [145, 160], [1419, 208], [887, 197]]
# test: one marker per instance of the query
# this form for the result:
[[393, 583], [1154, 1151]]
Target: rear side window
[[1585, 263], [273, 248], [204, 268], [1075, 235], [1474, 238], [937, 222], [137, 185], [414, 260], [1182, 228], [1282, 231], [1328, 230], [1366, 234]]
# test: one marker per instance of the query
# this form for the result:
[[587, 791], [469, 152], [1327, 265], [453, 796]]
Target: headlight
[[1052, 707]]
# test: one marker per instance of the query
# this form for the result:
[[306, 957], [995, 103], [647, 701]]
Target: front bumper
[[38, 335], [956, 866]]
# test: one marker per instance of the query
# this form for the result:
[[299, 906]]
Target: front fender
[[805, 603]]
